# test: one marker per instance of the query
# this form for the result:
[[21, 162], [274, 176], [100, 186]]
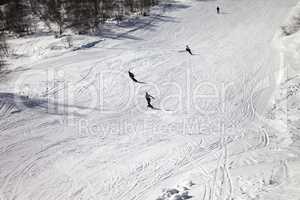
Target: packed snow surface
[[74, 126]]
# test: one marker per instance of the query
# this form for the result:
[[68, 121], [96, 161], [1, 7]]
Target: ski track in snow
[[48, 155]]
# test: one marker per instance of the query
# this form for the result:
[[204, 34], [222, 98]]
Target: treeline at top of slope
[[25, 16]]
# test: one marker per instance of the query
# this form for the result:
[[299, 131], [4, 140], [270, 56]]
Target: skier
[[218, 9], [131, 75], [148, 99], [188, 49]]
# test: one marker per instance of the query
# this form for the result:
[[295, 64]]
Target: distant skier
[[218, 9], [188, 49], [148, 98], [131, 75]]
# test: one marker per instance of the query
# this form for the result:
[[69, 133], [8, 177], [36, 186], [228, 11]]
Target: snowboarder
[[131, 75], [148, 98], [218, 9], [188, 49]]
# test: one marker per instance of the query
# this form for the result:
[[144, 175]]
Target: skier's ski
[[153, 108], [188, 49]]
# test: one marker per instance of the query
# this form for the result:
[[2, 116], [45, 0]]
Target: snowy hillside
[[73, 125]]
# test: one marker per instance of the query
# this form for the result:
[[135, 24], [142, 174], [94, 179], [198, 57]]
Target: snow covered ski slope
[[75, 126]]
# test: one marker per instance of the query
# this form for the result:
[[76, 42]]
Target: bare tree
[[3, 45], [53, 11], [17, 16], [3, 49]]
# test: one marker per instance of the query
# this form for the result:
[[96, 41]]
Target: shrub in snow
[[170, 192], [185, 195], [179, 193], [176, 197]]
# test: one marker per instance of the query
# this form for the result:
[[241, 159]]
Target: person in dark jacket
[[218, 9], [148, 99], [188, 49]]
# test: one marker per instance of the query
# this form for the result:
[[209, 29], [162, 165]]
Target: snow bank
[[284, 115], [287, 40], [33, 48], [292, 24]]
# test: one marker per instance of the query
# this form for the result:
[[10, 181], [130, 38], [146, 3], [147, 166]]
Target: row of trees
[[80, 15], [21, 17]]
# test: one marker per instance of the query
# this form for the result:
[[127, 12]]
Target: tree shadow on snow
[[88, 45], [11, 103], [143, 23], [171, 6]]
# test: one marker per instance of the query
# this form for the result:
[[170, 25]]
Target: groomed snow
[[74, 126]]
